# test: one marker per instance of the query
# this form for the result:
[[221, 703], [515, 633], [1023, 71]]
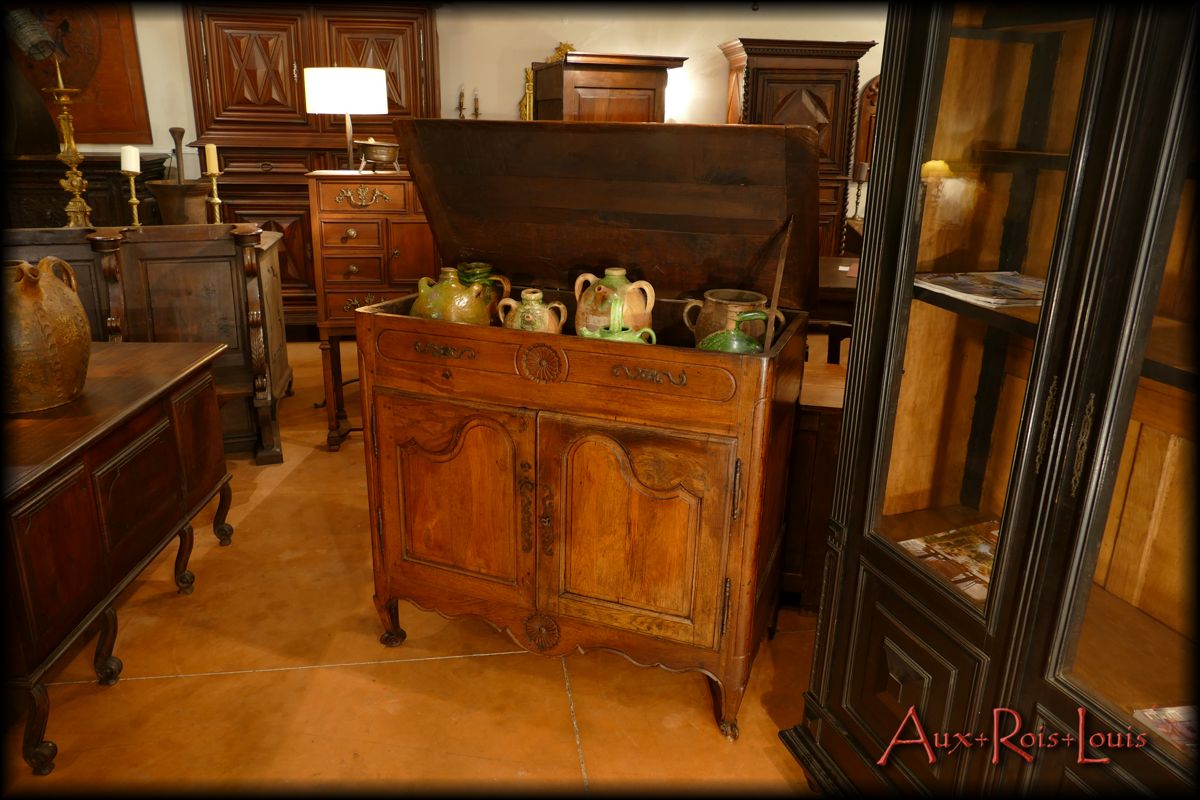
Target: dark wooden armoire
[[1011, 550], [247, 65], [777, 81]]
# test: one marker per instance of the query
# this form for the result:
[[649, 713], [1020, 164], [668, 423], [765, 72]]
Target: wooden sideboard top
[[122, 379]]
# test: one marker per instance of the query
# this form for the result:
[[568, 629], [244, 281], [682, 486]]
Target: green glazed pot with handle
[[451, 300], [736, 340], [616, 330]]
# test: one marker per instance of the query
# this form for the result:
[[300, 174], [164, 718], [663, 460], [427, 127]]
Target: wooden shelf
[[1116, 643], [1005, 158], [1170, 355]]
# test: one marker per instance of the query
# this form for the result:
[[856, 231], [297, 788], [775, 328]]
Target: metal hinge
[[204, 59], [374, 433], [725, 607], [379, 530], [737, 488], [295, 73]]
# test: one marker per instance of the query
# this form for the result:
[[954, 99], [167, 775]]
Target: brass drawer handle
[[266, 166], [351, 233], [352, 269]]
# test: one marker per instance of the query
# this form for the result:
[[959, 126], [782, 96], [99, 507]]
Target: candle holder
[[213, 199], [133, 198], [475, 113], [78, 211], [461, 107]]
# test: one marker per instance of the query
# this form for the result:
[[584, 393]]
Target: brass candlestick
[[133, 199], [213, 199], [475, 113], [78, 211], [460, 106]]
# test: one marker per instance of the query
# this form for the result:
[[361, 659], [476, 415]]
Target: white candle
[[210, 159], [129, 159]]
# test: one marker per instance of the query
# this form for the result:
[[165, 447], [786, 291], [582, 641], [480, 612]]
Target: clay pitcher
[[450, 300], [531, 314], [719, 311], [617, 331], [495, 287], [47, 336], [735, 339], [594, 295]]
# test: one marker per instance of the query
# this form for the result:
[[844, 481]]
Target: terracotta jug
[[735, 340], [719, 309], [495, 287], [593, 296], [616, 331], [531, 314], [47, 336], [451, 300]]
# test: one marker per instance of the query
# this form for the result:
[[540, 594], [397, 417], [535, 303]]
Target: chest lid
[[686, 207]]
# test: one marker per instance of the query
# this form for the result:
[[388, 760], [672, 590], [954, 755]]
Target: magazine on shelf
[[1176, 724], [991, 289], [962, 555]]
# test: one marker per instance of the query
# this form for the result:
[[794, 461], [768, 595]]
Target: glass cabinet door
[[1131, 634], [996, 153]]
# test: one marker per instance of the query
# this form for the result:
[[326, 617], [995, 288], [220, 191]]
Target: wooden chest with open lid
[[579, 493]]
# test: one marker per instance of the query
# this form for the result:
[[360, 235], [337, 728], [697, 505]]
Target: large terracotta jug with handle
[[594, 296], [719, 310], [47, 337]]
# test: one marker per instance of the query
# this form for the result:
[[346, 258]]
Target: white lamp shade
[[345, 90]]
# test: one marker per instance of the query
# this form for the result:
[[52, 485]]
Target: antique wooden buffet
[[94, 490], [580, 493], [1011, 549]]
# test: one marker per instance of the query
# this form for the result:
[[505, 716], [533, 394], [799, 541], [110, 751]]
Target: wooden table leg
[[108, 667], [222, 529], [39, 753], [184, 579], [335, 407]]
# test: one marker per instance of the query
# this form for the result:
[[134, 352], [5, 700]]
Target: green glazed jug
[[450, 300], [616, 331], [592, 297], [736, 340], [531, 314], [495, 287]]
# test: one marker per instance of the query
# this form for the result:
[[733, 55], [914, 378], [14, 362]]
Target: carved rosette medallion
[[541, 363], [541, 630]]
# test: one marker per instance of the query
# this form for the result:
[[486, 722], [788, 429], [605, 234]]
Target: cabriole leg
[[39, 753], [184, 579], [108, 667], [389, 613], [222, 529]]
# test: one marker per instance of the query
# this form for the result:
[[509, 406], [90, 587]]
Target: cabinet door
[[457, 492], [392, 41], [633, 526], [822, 98], [250, 68]]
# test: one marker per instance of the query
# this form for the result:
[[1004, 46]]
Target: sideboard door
[[456, 489], [633, 524]]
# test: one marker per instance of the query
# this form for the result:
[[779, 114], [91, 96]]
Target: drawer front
[[269, 162], [341, 304], [357, 269], [352, 197], [358, 233]]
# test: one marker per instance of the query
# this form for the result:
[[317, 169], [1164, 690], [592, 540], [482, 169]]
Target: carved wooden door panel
[[821, 100], [456, 489], [287, 215], [633, 524], [253, 63], [356, 41]]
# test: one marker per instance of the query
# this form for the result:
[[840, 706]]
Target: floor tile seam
[[574, 722], [297, 668]]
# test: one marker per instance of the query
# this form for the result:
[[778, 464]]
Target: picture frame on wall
[[96, 46]]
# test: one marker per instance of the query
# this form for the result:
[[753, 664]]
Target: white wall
[[485, 47]]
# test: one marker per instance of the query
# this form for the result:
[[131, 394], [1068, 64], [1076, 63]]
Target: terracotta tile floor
[[270, 676]]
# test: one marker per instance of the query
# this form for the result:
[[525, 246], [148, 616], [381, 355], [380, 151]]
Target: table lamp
[[345, 90]]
